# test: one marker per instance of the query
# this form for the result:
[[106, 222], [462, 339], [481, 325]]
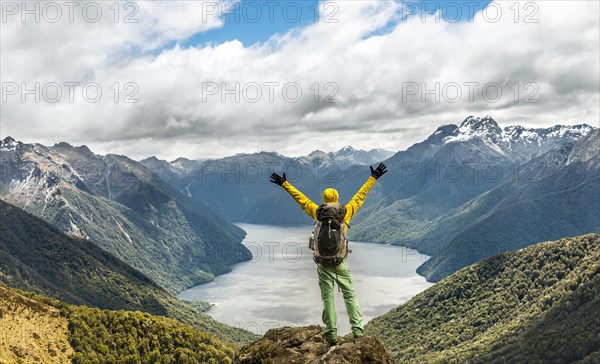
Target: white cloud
[[553, 60]]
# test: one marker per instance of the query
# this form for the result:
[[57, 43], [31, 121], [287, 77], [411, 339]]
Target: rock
[[19, 350], [307, 345]]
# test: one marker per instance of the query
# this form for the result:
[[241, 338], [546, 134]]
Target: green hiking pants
[[342, 275]]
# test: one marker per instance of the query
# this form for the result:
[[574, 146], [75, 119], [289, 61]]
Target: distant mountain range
[[341, 159], [344, 158], [112, 233], [553, 195], [235, 186], [536, 305], [466, 192], [473, 198], [517, 143], [122, 206]]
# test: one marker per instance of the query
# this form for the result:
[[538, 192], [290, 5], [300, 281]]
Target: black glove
[[277, 179], [379, 171]]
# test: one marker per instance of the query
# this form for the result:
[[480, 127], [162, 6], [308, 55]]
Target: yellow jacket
[[330, 195]]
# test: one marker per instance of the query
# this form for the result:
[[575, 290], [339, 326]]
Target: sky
[[206, 79]]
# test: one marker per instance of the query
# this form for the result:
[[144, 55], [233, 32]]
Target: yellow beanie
[[330, 195]]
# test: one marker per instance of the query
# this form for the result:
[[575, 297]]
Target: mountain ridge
[[538, 304], [427, 184], [540, 204], [125, 208], [424, 207], [342, 158], [39, 258]]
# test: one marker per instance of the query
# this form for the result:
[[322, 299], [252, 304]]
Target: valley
[[505, 220], [278, 286]]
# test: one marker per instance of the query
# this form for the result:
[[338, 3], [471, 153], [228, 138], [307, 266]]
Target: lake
[[279, 286]]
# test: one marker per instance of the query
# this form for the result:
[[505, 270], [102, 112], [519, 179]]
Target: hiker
[[331, 263]]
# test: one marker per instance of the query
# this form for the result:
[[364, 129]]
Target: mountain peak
[[62, 145], [316, 152], [8, 139], [346, 151], [151, 159], [345, 157], [586, 148], [80, 149], [181, 160], [476, 123], [9, 144], [444, 131], [520, 143]]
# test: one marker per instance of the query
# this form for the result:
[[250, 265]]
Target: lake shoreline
[[279, 287], [309, 227]]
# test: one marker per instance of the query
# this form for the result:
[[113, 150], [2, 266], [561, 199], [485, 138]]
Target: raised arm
[[356, 202], [307, 205]]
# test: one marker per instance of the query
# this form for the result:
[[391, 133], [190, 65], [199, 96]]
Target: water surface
[[279, 286]]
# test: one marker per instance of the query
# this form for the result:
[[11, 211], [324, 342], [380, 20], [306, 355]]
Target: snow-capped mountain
[[543, 185], [236, 186], [122, 206], [345, 157], [9, 144], [554, 195], [520, 143], [316, 160], [434, 183]]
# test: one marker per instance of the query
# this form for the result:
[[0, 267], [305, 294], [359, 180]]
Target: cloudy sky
[[214, 78]]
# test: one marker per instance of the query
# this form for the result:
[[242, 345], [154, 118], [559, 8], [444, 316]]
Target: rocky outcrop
[[306, 345]]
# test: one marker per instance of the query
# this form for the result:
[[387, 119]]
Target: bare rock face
[[306, 345]]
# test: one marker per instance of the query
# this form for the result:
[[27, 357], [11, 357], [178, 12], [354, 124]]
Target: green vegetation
[[124, 208], [103, 336], [99, 336], [37, 257], [461, 222], [519, 214], [537, 305]]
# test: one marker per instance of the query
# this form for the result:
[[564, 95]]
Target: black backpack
[[329, 238]]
